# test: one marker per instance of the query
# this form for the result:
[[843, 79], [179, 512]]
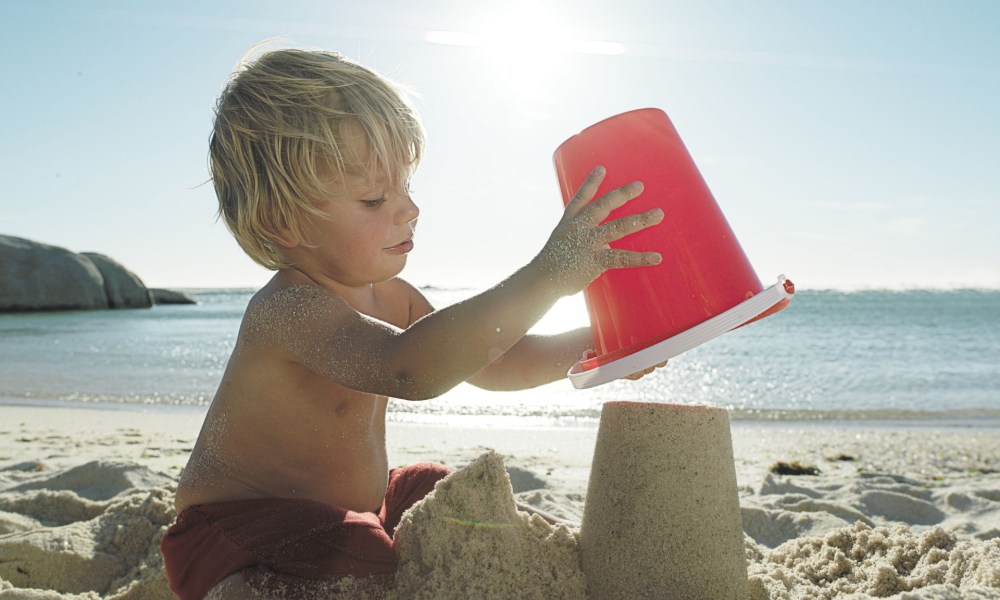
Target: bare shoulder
[[292, 296], [406, 294], [289, 310]]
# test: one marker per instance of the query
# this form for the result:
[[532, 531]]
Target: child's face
[[367, 232]]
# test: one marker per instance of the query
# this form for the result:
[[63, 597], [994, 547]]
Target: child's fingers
[[599, 209], [586, 192], [640, 374], [619, 228], [612, 258]]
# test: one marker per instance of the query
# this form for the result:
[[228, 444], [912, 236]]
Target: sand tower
[[662, 515]]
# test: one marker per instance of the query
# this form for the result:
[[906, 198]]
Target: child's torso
[[333, 453], [277, 429]]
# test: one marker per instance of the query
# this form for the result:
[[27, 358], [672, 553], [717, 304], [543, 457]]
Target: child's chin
[[390, 273]]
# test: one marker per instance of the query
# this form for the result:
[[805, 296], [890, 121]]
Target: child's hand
[[641, 374], [577, 251]]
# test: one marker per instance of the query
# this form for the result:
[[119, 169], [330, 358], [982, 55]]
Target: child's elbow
[[412, 388]]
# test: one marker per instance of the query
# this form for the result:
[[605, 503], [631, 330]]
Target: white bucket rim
[[682, 342]]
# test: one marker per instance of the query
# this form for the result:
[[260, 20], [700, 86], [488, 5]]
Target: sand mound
[[791, 507], [864, 562], [96, 480], [61, 545], [467, 540], [873, 535]]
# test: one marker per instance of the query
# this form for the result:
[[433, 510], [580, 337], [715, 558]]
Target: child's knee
[[233, 587]]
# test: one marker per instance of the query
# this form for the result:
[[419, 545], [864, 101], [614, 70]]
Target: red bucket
[[705, 285]]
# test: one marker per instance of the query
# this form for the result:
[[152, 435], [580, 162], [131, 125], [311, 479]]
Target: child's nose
[[409, 211]]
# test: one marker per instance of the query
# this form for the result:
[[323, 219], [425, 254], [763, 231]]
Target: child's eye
[[374, 203]]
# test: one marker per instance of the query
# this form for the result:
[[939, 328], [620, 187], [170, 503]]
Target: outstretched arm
[[451, 345], [534, 360]]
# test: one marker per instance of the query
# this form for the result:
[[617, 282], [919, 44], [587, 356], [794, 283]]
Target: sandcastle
[[662, 516]]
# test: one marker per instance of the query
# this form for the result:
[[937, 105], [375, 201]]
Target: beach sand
[[894, 511]]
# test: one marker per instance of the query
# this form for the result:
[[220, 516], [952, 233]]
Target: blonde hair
[[282, 125]]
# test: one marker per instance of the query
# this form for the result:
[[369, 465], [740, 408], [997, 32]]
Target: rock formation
[[161, 296], [123, 287], [36, 276]]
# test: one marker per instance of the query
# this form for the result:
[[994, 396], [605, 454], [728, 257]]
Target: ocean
[[899, 357]]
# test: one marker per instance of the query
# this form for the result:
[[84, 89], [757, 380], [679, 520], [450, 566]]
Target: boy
[[288, 482]]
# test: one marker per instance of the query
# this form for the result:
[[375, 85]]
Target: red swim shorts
[[286, 542]]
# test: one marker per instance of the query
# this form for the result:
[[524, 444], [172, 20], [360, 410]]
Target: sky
[[850, 144]]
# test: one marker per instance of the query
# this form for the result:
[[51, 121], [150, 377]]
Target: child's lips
[[401, 248]]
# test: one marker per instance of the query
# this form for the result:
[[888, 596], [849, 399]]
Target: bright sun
[[524, 42]]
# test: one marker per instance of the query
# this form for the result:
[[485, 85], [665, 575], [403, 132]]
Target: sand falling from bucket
[[662, 515]]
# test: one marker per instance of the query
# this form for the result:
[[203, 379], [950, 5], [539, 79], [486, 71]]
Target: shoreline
[[776, 418], [160, 438]]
